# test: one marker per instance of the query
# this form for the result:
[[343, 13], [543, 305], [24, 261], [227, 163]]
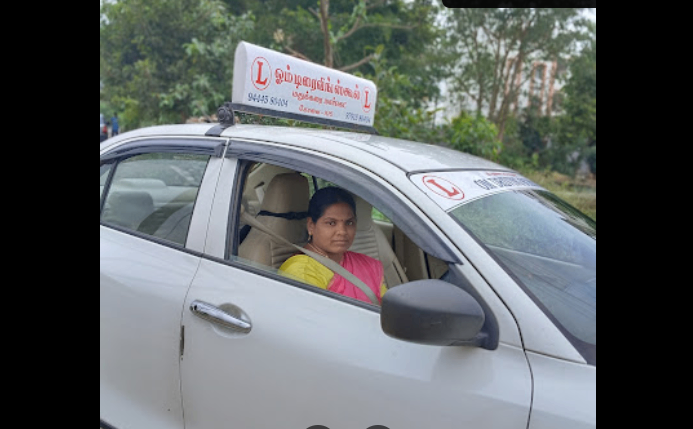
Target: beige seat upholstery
[[371, 241], [283, 210], [129, 208]]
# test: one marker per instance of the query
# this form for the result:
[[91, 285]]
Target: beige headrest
[[287, 192], [364, 215]]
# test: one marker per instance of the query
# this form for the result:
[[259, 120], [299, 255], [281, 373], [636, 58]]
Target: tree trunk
[[325, 27], [512, 94], [552, 81]]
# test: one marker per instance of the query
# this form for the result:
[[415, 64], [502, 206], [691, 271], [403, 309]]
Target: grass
[[580, 192]]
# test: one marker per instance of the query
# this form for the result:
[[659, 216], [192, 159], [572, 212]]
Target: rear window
[[154, 194]]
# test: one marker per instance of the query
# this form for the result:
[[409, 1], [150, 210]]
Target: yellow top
[[306, 269]]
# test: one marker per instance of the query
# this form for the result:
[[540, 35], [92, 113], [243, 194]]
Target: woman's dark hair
[[325, 197]]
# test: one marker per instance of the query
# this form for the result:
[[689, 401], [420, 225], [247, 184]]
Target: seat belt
[[399, 246], [329, 263]]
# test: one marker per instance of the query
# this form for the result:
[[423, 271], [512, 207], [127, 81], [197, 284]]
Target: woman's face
[[335, 230]]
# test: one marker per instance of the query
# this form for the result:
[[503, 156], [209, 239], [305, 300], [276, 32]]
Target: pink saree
[[368, 269]]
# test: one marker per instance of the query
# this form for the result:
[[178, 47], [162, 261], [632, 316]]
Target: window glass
[[550, 247], [155, 193]]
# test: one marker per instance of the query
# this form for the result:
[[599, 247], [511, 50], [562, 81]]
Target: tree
[[162, 61], [494, 46], [349, 35], [577, 127]]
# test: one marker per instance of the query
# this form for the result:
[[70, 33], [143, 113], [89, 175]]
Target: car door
[[294, 356], [148, 235]]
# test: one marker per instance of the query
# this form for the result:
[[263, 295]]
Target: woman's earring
[[310, 237]]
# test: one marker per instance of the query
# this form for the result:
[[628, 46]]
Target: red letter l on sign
[[259, 74]]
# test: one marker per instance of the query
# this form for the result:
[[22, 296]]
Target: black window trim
[[190, 145]]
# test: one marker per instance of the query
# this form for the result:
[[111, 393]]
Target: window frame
[[339, 173], [211, 147]]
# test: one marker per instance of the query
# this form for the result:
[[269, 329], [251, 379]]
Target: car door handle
[[216, 315]]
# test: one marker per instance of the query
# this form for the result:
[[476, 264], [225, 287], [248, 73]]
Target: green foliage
[[487, 50], [534, 141], [577, 127], [397, 116], [399, 31], [475, 135], [162, 61], [591, 157], [565, 141], [581, 193]]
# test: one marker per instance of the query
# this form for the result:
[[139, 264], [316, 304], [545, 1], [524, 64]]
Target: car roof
[[407, 155]]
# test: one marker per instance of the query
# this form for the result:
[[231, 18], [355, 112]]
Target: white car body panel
[[565, 394], [312, 373], [216, 241], [200, 219], [139, 350]]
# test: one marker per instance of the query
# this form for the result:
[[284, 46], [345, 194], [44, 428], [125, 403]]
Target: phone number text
[[358, 118], [265, 99]]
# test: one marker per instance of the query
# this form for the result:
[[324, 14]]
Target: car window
[[154, 194], [376, 215], [283, 208]]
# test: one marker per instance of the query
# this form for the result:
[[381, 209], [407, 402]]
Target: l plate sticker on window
[[449, 189]]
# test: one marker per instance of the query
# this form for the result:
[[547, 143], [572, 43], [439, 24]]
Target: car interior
[[150, 205], [278, 198]]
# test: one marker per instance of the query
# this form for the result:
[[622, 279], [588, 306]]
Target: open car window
[[279, 196]]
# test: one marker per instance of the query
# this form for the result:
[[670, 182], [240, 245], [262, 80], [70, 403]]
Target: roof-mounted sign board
[[270, 83]]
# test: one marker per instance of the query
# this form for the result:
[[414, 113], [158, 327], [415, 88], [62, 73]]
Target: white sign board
[[449, 189], [276, 84]]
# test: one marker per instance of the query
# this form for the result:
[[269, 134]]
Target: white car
[[489, 320]]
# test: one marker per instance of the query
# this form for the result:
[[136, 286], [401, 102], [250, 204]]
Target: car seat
[[371, 241], [129, 208], [284, 210]]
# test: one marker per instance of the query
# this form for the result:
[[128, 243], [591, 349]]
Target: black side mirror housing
[[432, 312]]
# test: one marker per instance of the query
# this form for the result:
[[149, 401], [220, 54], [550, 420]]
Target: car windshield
[[547, 245]]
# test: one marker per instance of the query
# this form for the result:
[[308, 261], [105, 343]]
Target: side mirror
[[432, 312]]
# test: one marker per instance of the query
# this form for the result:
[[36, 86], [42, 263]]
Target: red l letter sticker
[[262, 69], [366, 105], [443, 187], [259, 74]]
